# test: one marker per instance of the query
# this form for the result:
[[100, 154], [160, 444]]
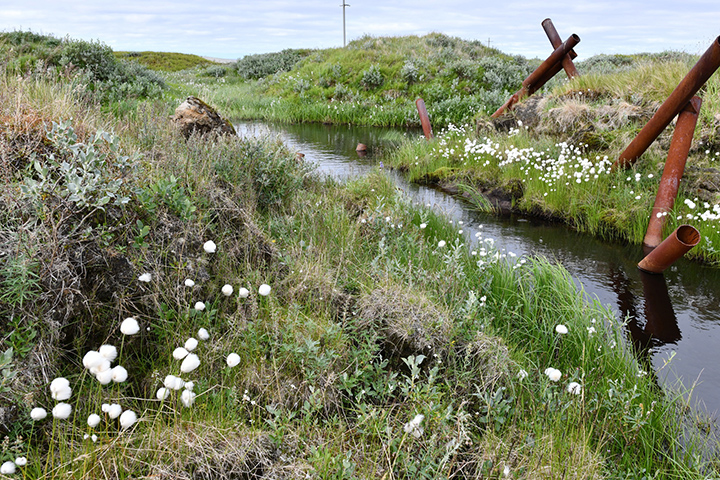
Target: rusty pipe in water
[[673, 171], [673, 247], [424, 118], [688, 86], [555, 41]]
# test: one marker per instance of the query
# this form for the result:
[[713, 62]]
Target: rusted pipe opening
[[688, 236]]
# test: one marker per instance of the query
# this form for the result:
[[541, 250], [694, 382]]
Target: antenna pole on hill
[[344, 5]]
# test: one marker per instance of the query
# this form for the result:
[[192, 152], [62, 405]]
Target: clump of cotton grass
[[227, 290], [199, 306], [128, 419], [119, 374], [62, 411], [173, 383], [441, 243], [209, 246], [113, 410], [203, 334], [264, 290], [575, 388], [561, 329], [38, 413], [189, 283], [145, 277], [163, 393], [21, 461], [7, 468], [243, 292], [187, 397], [191, 344], [60, 389], [190, 363], [553, 374], [93, 420], [179, 353], [233, 360], [129, 326], [414, 426], [108, 352]]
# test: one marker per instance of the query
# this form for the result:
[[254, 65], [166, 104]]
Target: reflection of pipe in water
[[361, 149], [673, 171], [660, 320], [673, 247]]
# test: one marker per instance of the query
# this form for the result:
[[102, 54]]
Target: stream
[[673, 319]]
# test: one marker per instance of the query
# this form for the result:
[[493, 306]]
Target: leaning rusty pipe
[[673, 247], [424, 118], [552, 34], [696, 78], [545, 78], [539, 77], [673, 171]]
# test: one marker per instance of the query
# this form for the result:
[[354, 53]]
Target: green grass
[[165, 61], [378, 313]]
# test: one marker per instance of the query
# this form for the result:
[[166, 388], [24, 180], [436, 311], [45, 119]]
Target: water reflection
[[674, 314]]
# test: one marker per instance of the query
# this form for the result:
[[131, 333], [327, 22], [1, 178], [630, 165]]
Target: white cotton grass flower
[[441, 243], [145, 277], [179, 353], [62, 410], [190, 363], [91, 359], [264, 290], [506, 470], [199, 306], [189, 385], [109, 352], [7, 468], [105, 376], [553, 374], [21, 461], [413, 427], [129, 326], [191, 344], [561, 329], [187, 398], [210, 246], [119, 374], [574, 388], [423, 226], [522, 374], [93, 437], [189, 282], [127, 419], [114, 410], [227, 290], [163, 393], [38, 413], [243, 292], [203, 334], [93, 420], [102, 367], [233, 359], [173, 383], [60, 389]]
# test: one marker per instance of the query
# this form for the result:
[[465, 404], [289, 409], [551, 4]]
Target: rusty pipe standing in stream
[[673, 171], [424, 118], [673, 247], [538, 77], [688, 86], [555, 41]]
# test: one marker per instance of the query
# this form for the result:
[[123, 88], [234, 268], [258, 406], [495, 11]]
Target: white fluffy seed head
[[162, 393], [210, 246], [127, 419], [264, 290], [145, 277], [179, 353], [233, 359], [191, 344], [62, 411], [187, 397], [199, 306], [243, 292], [93, 420], [190, 363], [114, 410], [7, 468], [119, 374], [104, 377], [92, 359], [227, 290], [129, 326], [38, 413], [553, 374], [108, 352], [189, 282], [561, 329], [203, 334]]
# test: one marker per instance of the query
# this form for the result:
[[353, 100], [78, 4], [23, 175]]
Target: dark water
[[671, 316]]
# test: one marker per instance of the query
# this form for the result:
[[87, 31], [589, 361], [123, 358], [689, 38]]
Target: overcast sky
[[232, 29]]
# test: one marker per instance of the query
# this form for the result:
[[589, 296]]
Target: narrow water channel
[[673, 319]]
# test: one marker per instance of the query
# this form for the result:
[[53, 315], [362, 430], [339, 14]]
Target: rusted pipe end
[[361, 147], [673, 247]]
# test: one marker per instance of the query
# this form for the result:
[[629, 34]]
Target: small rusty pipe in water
[[552, 34], [673, 171], [673, 247], [696, 78], [540, 76], [424, 118]]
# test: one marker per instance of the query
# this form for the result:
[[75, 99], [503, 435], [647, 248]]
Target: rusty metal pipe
[[555, 41], [673, 171], [540, 76], [696, 78], [555, 57], [424, 118], [673, 247]]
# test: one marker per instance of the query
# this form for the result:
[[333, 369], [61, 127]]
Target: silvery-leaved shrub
[[372, 77], [89, 175]]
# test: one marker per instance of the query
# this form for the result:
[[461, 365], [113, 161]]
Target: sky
[[233, 29]]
